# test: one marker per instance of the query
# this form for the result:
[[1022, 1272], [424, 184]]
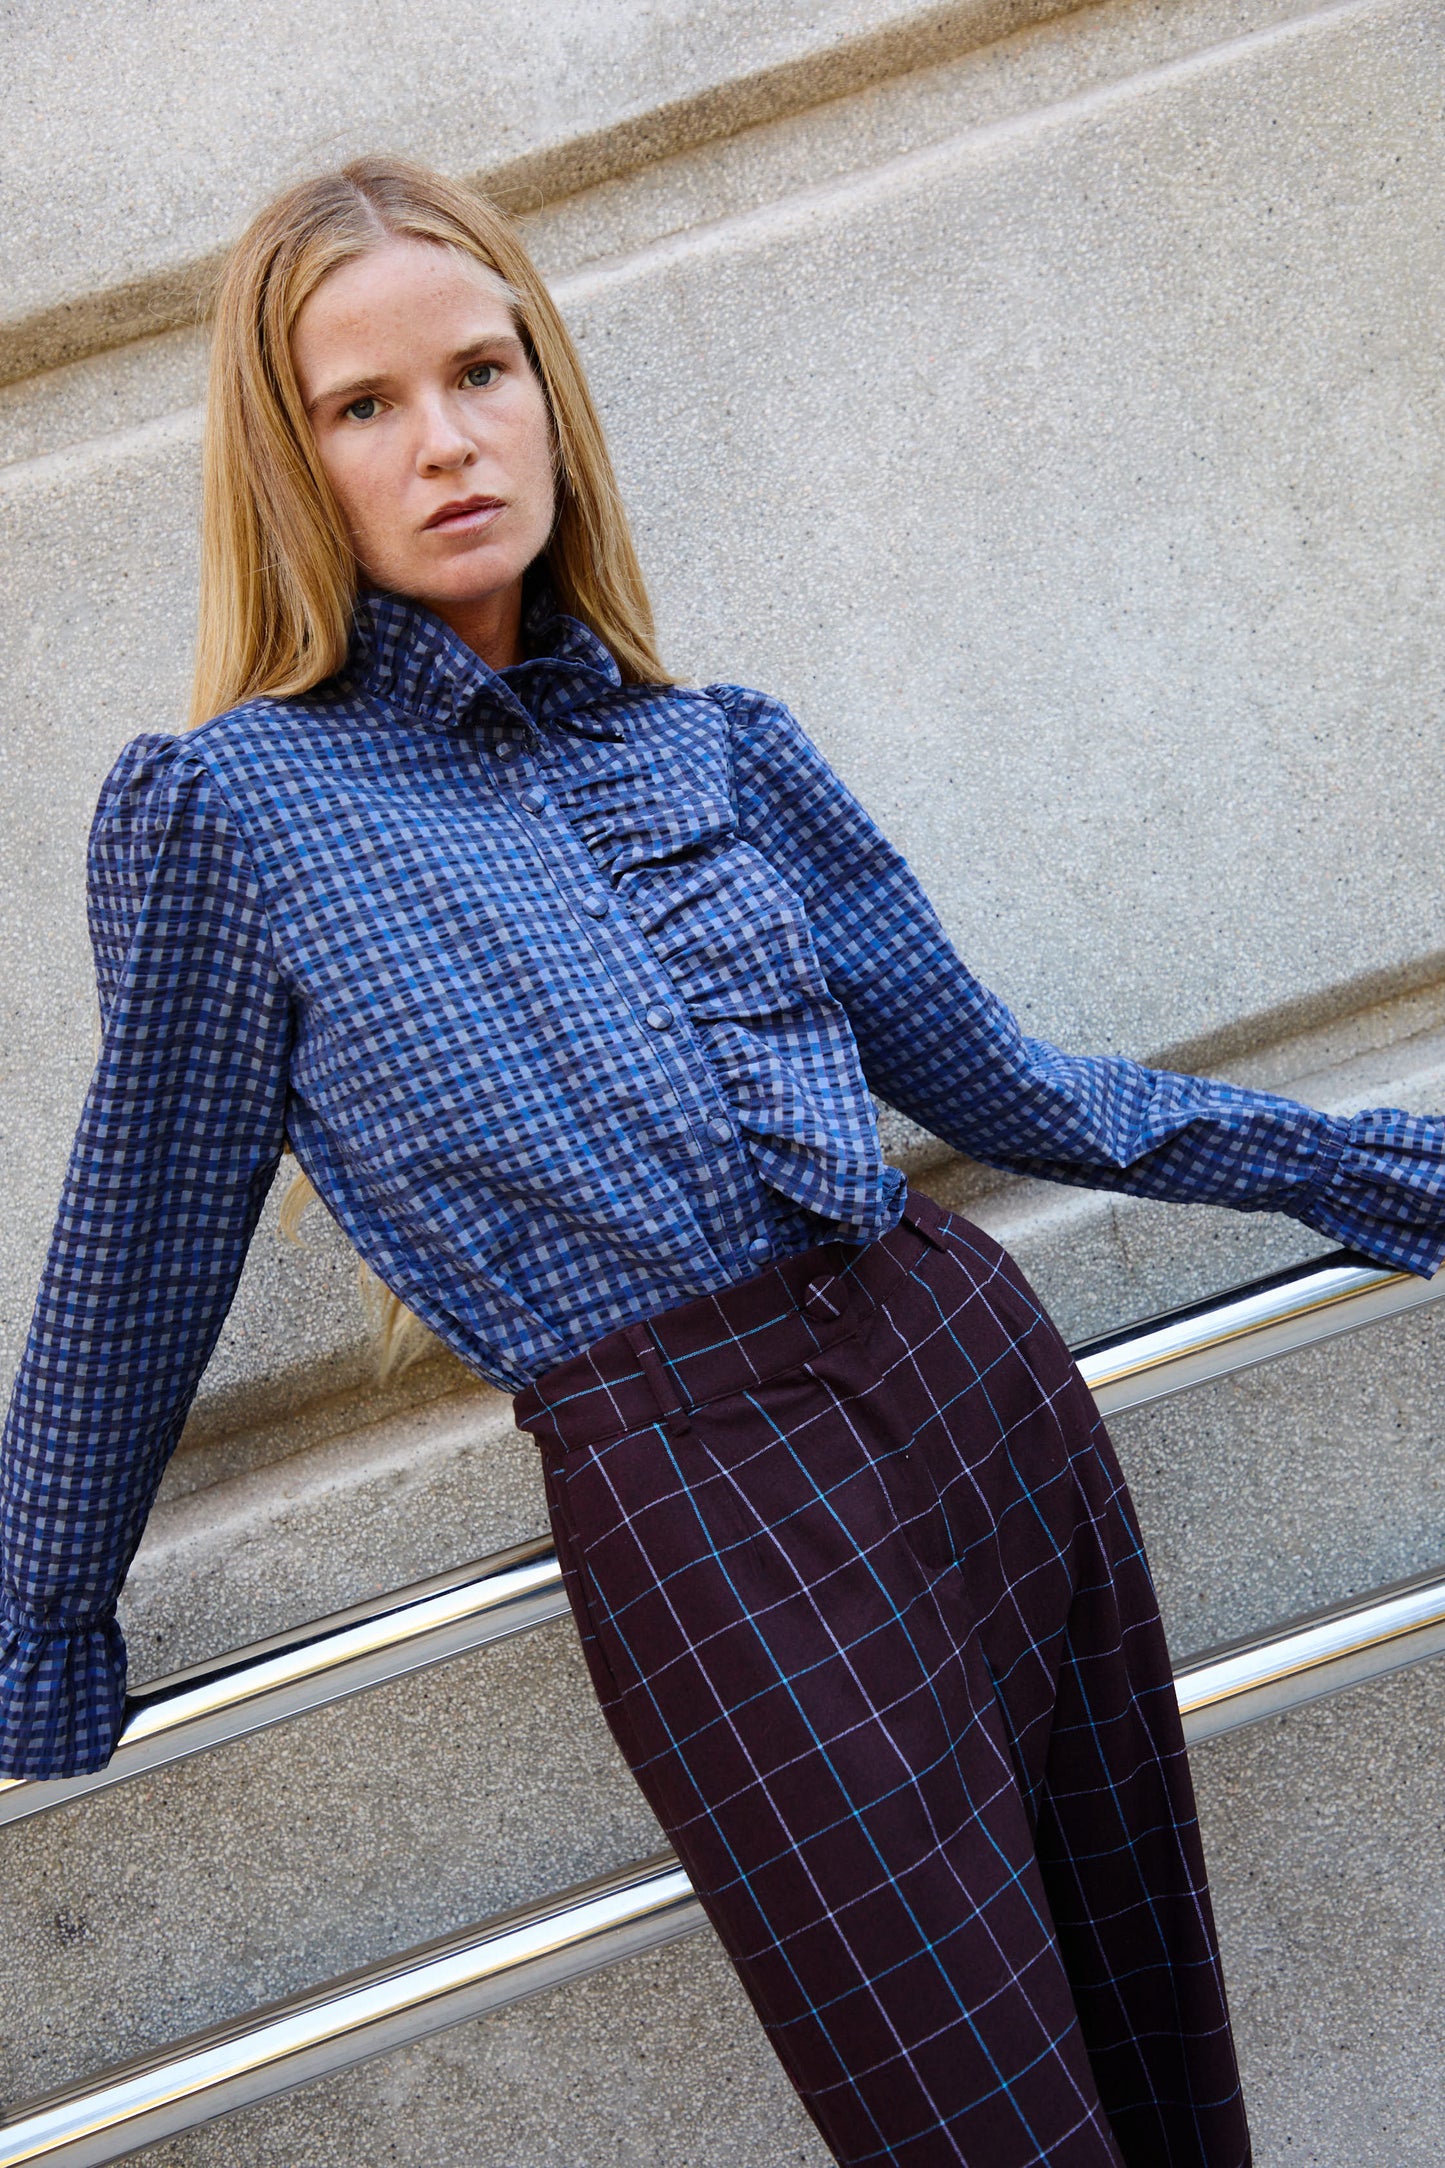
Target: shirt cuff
[[1381, 1191], [62, 1696]]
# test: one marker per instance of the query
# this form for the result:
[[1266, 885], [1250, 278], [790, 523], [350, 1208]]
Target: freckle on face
[[402, 325]]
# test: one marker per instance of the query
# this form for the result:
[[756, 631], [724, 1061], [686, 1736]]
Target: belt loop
[[925, 1218], [670, 1404]]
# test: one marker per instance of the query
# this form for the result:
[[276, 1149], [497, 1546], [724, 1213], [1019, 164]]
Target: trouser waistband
[[722, 1343]]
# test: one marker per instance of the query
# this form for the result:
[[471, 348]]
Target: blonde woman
[[565, 983]]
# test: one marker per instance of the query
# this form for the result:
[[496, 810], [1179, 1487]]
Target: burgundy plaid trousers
[[865, 1602]]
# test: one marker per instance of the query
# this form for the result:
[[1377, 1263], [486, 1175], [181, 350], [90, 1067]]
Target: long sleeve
[[179, 1138], [942, 1049]]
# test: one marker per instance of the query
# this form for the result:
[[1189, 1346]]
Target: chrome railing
[[520, 1953], [324, 1661], [506, 1594], [542, 1945], [1250, 1325], [366, 2013], [1307, 1658]]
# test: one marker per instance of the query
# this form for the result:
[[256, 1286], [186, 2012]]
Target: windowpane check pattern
[[865, 1603]]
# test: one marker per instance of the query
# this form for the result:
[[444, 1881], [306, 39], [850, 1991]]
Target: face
[[433, 431]]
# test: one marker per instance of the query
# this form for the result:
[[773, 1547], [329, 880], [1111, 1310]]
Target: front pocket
[[922, 1522], [1026, 1789]]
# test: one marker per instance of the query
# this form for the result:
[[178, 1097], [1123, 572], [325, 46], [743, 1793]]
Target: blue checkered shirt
[[567, 995]]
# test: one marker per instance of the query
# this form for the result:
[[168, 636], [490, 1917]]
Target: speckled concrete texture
[[658, 2064], [411, 1495], [1070, 490], [1074, 557], [1287, 1488], [190, 115], [991, 81], [1059, 425], [1040, 65], [274, 1863], [1324, 1835], [193, 111]]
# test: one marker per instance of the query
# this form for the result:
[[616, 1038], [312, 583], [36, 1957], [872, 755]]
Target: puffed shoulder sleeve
[[181, 1131], [940, 1047]]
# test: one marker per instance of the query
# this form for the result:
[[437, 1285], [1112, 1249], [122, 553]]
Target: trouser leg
[[1071, 1627], [1118, 1842], [875, 1637], [839, 1786]]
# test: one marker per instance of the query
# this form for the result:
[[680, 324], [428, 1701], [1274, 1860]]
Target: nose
[[442, 445]]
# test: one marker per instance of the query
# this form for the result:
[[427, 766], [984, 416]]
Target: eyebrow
[[361, 387], [356, 389]]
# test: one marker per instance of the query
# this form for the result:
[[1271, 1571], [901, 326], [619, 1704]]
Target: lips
[[465, 512]]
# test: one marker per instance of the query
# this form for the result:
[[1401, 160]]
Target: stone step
[[597, 203], [199, 125], [278, 1861], [275, 1862], [1015, 415], [1322, 1829]]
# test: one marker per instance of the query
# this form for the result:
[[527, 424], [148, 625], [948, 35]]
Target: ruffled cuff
[[62, 1696], [1382, 1192]]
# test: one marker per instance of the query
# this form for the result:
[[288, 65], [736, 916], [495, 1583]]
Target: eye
[[480, 375], [360, 410]]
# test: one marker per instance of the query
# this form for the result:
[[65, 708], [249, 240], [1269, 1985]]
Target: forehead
[[405, 294]]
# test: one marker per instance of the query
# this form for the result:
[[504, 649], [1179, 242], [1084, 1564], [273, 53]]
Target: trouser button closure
[[823, 1300]]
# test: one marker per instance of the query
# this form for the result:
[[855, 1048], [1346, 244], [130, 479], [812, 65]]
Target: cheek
[[357, 473], [536, 462]]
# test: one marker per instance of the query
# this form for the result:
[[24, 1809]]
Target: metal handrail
[[365, 2013], [1252, 1324], [324, 1661], [1366, 1637], [543, 1945], [474, 1605]]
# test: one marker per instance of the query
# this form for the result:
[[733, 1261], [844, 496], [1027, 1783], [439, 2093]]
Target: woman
[[562, 981]]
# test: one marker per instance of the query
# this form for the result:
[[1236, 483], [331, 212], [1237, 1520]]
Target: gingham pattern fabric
[[865, 1603], [565, 993]]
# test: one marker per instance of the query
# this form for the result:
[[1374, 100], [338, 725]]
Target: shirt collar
[[404, 655]]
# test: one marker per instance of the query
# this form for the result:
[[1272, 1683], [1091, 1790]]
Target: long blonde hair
[[278, 578]]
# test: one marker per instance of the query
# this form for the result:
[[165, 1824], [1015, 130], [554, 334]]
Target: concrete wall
[[1047, 401]]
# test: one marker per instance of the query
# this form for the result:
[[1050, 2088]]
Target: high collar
[[402, 654]]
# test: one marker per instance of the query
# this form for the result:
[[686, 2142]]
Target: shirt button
[[533, 798], [507, 749], [659, 1018], [596, 906], [760, 1249], [720, 1131]]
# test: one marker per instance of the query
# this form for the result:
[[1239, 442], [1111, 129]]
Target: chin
[[473, 578]]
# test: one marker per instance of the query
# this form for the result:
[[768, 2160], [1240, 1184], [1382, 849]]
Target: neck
[[491, 626]]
